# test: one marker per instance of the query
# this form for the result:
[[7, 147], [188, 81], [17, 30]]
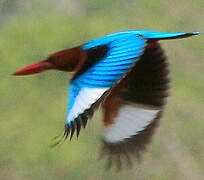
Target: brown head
[[65, 60]]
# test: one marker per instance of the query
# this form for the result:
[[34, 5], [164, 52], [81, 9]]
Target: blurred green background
[[33, 108]]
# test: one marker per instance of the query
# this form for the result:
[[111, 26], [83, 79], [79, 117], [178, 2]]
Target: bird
[[126, 74]]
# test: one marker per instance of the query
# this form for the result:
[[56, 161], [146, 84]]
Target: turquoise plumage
[[124, 50]]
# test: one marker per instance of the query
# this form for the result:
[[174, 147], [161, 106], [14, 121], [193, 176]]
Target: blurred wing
[[97, 75], [134, 107]]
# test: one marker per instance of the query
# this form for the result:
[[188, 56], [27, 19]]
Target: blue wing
[[84, 91], [91, 86]]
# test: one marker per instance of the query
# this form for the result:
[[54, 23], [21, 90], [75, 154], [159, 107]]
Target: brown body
[[145, 85]]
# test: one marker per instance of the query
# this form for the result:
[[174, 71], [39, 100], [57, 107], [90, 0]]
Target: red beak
[[34, 68]]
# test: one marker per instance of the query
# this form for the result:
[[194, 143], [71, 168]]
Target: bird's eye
[[49, 59]]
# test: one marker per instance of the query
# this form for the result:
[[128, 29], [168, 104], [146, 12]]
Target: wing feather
[[97, 78], [133, 108]]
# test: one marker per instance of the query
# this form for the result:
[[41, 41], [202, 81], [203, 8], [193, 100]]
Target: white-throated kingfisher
[[126, 73]]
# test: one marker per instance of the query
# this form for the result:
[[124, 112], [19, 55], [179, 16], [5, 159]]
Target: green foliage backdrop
[[33, 108]]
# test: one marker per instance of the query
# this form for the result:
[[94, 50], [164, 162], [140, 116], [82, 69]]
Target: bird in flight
[[124, 72]]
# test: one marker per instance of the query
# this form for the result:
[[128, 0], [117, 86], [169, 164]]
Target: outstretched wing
[[98, 74], [134, 107]]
